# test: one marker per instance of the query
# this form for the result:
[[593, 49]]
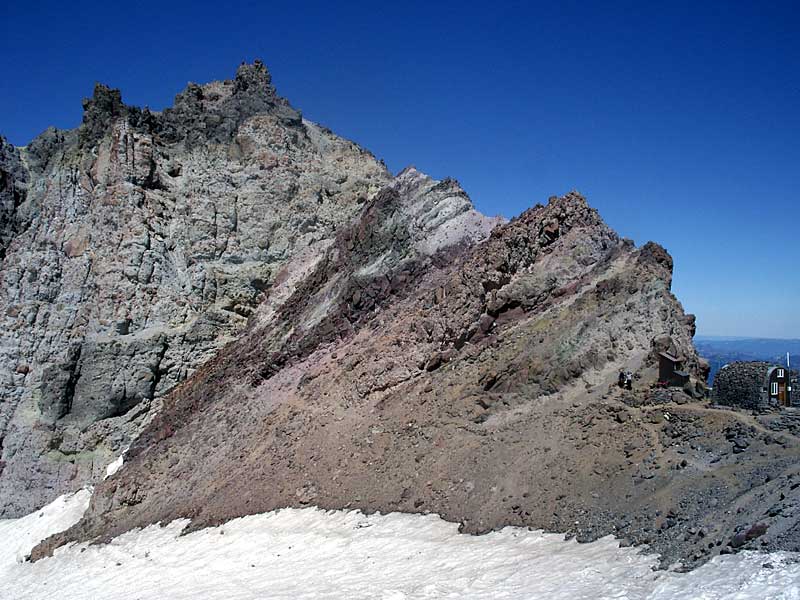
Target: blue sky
[[679, 122]]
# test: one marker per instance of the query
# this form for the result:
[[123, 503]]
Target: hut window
[[774, 388], [780, 373]]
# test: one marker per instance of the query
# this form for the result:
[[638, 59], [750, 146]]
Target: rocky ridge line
[[270, 319], [136, 246], [482, 388]]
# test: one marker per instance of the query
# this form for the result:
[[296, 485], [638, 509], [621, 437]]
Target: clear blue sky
[[679, 121]]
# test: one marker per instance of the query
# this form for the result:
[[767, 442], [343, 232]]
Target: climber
[[625, 380]]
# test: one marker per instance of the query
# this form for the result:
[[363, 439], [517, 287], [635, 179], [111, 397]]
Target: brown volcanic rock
[[271, 319], [479, 387]]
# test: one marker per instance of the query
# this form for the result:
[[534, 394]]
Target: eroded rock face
[[136, 246], [463, 378], [414, 364], [269, 319], [13, 184]]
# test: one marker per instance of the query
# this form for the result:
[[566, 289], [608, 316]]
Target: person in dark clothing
[[625, 380]]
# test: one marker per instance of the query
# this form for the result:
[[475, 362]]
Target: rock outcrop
[[134, 248], [265, 317], [13, 183], [399, 373]]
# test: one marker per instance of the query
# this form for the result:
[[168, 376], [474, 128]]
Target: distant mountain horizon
[[733, 338], [721, 350]]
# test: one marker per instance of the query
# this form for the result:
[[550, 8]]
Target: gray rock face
[[13, 183], [134, 247]]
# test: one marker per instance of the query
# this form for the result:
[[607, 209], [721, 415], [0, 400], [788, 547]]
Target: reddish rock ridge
[[477, 382], [270, 319]]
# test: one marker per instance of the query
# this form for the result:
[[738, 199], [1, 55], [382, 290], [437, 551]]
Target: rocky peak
[[516, 245], [442, 212], [135, 246], [214, 111], [100, 111], [200, 114], [655, 256], [253, 78], [571, 207]]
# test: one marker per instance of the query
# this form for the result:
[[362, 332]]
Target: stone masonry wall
[[741, 384]]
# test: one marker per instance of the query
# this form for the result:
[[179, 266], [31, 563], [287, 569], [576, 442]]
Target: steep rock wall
[[458, 390], [136, 246]]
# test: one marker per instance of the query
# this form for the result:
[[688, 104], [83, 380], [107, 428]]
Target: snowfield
[[311, 553]]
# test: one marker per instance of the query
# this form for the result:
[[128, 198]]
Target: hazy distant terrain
[[722, 350]]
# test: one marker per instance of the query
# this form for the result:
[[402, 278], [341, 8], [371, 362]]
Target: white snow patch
[[311, 553], [116, 465], [19, 536]]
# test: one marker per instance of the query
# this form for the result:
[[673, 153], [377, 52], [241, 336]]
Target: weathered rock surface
[[477, 382], [269, 319], [134, 248], [13, 183]]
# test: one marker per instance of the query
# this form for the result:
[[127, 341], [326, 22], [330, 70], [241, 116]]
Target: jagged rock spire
[[99, 111], [253, 77], [222, 106]]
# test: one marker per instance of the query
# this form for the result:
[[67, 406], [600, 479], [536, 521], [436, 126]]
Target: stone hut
[[754, 386]]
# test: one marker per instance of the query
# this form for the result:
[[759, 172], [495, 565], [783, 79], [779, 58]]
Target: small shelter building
[[670, 370], [755, 386]]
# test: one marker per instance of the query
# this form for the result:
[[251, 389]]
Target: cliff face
[[136, 246], [265, 317], [408, 371], [13, 183]]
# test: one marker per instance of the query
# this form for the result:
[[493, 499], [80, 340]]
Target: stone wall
[[742, 384]]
